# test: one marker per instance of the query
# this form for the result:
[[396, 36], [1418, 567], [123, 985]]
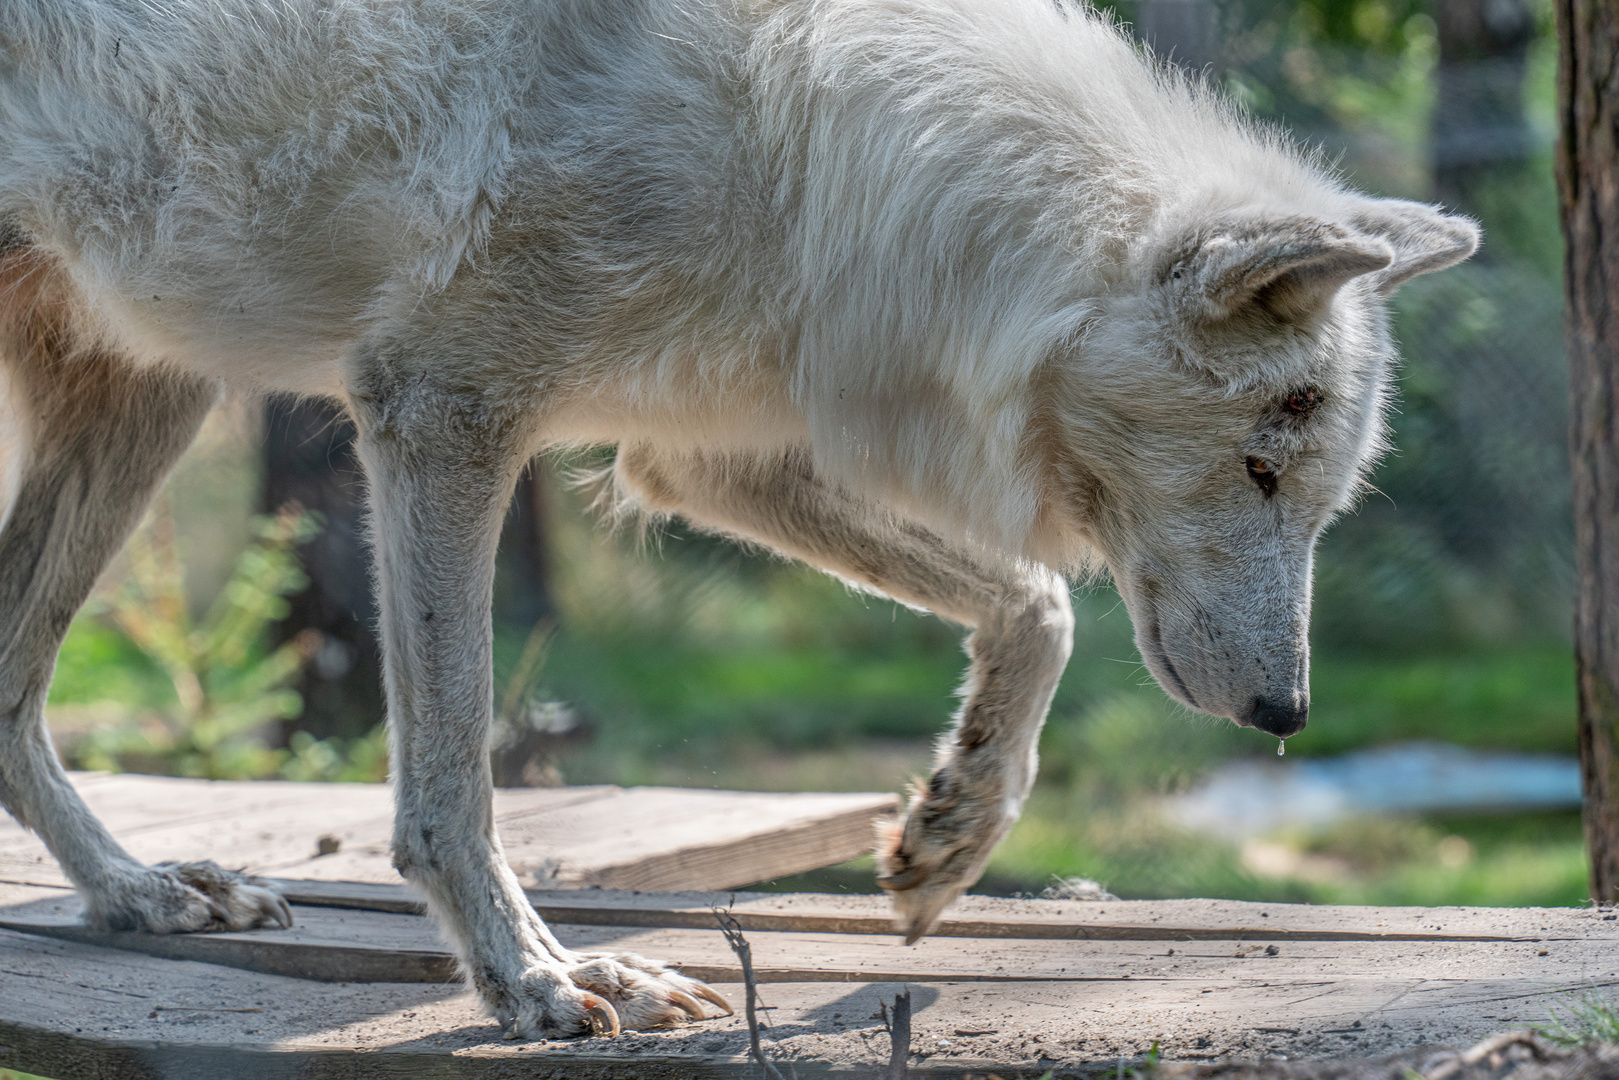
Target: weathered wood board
[[999, 917], [338, 945], [627, 838], [1038, 985]]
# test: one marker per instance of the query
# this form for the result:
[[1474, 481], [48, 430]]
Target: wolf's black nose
[[1275, 718]]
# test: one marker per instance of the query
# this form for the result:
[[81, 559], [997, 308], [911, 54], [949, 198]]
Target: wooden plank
[[290, 849], [559, 837], [238, 824], [263, 826], [142, 804], [74, 1011], [377, 947], [664, 838], [16, 897], [356, 946], [1000, 917]]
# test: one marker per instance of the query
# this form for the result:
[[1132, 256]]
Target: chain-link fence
[[1467, 535]]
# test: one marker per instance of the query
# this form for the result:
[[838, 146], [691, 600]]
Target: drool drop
[[1281, 747]]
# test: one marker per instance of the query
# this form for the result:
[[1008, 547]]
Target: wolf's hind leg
[[1022, 623], [89, 439]]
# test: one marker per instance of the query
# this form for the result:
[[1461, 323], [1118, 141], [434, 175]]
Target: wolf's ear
[[1290, 267], [1424, 238]]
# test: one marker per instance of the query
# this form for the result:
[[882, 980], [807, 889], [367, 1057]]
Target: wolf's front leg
[[441, 467], [1023, 631], [985, 764]]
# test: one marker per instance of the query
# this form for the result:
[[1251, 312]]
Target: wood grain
[[348, 945], [360, 986], [637, 838], [999, 917], [73, 1011]]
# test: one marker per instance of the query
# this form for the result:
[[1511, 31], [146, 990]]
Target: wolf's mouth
[[1155, 637]]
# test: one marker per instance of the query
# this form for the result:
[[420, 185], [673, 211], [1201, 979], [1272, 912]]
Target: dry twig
[[899, 1038], [744, 954], [1489, 1051]]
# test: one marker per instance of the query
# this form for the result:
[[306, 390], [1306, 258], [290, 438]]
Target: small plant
[[1590, 1019], [334, 760], [227, 687]]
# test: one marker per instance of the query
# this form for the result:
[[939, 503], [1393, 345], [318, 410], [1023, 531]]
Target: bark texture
[[1588, 191]]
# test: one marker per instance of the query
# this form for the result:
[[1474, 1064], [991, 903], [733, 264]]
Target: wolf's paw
[[174, 898], [939, 850], [645, 993], [603, 995], [541, 1004]]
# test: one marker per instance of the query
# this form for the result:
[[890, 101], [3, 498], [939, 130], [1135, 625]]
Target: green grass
[[1379, 861], [1508, 699], [1585, 1019], [688, 695]]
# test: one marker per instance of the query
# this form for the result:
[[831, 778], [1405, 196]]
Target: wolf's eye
[[1263, 474]]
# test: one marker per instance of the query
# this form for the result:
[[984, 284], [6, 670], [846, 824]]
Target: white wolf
[[946, 297]]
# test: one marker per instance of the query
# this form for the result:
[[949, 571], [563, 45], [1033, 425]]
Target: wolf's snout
[[1278, 719]]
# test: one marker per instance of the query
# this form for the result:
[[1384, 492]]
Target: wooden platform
[[1014, 987], [623, 838], [1010, 987]]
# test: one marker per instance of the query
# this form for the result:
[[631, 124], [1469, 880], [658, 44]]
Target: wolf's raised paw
[[176, 898], [938, 850]]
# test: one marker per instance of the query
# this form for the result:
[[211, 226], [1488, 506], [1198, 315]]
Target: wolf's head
[[1222, 407]]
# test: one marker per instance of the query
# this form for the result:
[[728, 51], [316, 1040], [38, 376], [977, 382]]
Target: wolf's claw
[[603, 1018], [938, 850], [688, 1003], [645, 993], [713, 997]]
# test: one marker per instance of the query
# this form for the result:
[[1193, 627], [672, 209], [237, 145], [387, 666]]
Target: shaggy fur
[[947, 297]]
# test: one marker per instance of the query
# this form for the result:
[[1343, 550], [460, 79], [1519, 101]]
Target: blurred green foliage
[[144, 686], [1466, 538], [1094, 814]]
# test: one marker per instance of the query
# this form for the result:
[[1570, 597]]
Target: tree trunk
[[1588, 193], [309, 458]]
